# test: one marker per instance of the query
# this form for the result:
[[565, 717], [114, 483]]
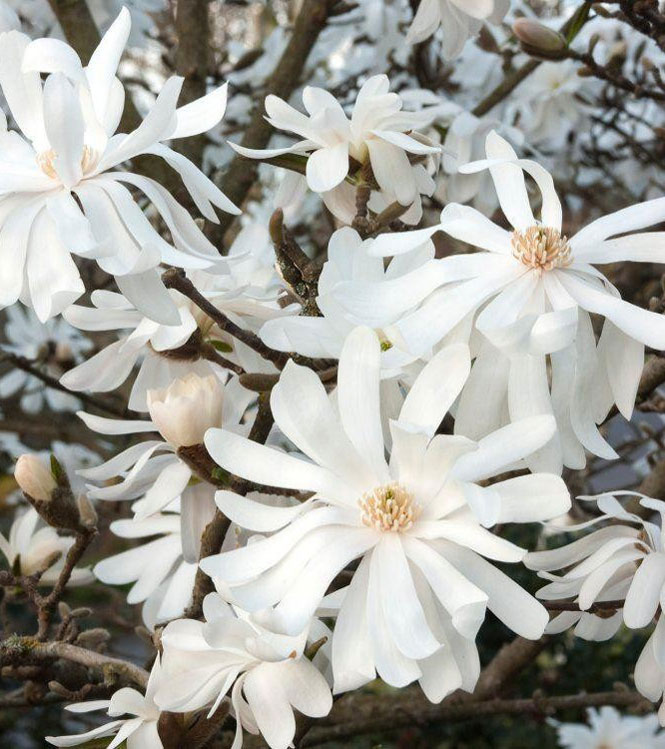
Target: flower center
[[388, 508], [46, 161], [541, 248]]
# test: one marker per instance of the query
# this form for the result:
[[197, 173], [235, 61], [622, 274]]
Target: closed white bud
[[186, 409], [34, 477], [539, 39]]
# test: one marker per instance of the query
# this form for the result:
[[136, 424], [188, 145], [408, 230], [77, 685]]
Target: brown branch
[[175, 278], [191, 62], [618, 80], [19, 651], [20, 362], [241, 174], [210, 353], [597, 607], [357, 713], [47, 604], [536, 706]]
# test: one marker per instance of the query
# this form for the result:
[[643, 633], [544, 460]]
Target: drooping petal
[[358, 398], [327, 167]]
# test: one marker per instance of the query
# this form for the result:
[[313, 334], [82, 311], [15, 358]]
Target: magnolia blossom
[[183, 411], [623, 561], [246, 294], [349, 260], [460, 19], [608, 729], [267, 675], [163, 568], [139, 732], [153, 469], [58, 194], [412, 522], [530, 294], [548, 103], [30, 544], [55, 345], [378, 134]]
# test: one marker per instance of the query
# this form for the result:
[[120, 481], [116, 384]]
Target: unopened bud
[[93, 638], [539, 40], [35, 478], [63, 610], [87, 512], [187, 408]]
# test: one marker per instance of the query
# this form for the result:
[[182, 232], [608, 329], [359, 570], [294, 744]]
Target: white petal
[[402, 610], [352, 652], [645, 591], [504, 447], [531, 498], [437, 387], [358, 398], [263, 464], [327, 167], [101, 69], [510, 603]]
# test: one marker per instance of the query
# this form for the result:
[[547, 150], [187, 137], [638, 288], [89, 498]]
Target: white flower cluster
[[452, 393]]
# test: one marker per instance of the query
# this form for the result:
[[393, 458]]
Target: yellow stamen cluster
[[46, 159], [388, 508], [541, 248]]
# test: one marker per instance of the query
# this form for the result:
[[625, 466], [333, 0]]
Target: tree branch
[[174, 278], [20, 362], [476, 709], [191, 62], [17, 651], [240, 175]]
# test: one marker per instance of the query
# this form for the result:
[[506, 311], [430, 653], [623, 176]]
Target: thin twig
[[543, 706], [16, 651], [174, 278], [20, 362]]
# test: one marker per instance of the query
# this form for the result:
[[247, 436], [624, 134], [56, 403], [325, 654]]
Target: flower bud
[[187, 408], [539, 40], [87, 512], [35, 478]]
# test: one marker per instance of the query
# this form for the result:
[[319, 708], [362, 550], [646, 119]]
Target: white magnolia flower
[[55, 345], [412, 522], [531, 291], [139, 732], [163, 568], [608, 729], [153, 468], [379, 133], [266, 674], [68, 148], [460, 19], [623, 561], [548, 103], [31, 543], [167, 352], [348, 260]]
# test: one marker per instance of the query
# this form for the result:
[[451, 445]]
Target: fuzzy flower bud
[[539, 40], [186, 409], [35, 478]]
